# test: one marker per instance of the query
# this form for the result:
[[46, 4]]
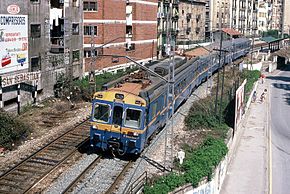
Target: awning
[[270, 39]]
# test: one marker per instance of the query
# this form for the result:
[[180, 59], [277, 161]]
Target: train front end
[[117, 122]]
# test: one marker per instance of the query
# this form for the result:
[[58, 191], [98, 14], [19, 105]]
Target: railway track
[[24, 176], [103, 175], [81, 176], [119, 178]]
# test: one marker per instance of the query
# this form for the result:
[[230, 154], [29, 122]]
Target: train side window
[[154, 109], [133, 118], [101, 112]]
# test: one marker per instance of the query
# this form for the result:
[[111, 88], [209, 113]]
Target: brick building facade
[[124, 28]]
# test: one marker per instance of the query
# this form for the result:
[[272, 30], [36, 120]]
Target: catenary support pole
[[18, 99]]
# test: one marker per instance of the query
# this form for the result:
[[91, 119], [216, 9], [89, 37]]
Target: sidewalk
[[247, 172]]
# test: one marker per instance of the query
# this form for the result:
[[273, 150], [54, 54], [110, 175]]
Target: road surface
[[279, 157]]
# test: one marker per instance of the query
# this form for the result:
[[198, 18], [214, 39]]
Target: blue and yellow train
[[130, 110]]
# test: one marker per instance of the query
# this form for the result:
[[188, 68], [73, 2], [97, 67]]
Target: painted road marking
[[269, 143]]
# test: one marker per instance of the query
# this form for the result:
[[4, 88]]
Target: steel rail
[[50, 164], [81, 176], [119, 178]]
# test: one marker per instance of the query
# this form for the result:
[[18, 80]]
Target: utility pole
[[170, 48], [219, 65], [92, 78], [67, 41]]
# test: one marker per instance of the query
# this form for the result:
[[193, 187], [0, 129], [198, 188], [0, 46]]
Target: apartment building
[[207, 26], [191, 22], [40, 41], [277, 15], [127, 28], [220, 10], [162, 16], [286, 23], [245, 16], [264, 16]]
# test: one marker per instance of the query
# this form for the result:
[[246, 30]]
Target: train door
[[117, 120]]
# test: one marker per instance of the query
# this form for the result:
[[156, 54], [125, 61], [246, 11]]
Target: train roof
[[141, 83], [226, 44]]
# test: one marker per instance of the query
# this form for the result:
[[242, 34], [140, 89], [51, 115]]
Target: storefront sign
[[13, 43], [19, 78]]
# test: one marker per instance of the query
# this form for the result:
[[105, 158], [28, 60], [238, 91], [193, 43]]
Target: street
[[280, 132]]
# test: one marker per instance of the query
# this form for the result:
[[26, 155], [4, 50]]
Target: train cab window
[[133, 118], [117, 115], [101, 112]]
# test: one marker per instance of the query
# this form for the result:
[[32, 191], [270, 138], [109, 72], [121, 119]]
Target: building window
[[35, 30], [76, 55], [130, 46], [88, 31], [35, 63], [34, 1], [90, 6], [129, 31], [75, 28], [88, 52], [75, 3]]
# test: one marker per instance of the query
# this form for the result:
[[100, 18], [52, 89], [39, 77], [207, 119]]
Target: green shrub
[[11, 130], [199, 163], [252, 77]]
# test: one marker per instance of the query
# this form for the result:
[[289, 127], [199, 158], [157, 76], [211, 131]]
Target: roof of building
[[200, 51], [231, 31], [284, 52]]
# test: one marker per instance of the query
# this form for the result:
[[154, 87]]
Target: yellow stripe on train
[[120, 96], [114, 128]]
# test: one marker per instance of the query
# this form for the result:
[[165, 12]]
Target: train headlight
[[133, 134]]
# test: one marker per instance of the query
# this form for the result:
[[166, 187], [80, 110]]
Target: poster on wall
[[239, 104], [13, 43]]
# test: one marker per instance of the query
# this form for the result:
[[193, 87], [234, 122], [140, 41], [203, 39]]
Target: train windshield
[[133, 118], [101, 112]]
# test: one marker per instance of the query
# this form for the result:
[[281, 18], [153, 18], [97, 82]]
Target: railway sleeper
[[10, 192], [51, 155], [68, 143], [20, 173], [41, 163], [27, 165], [75, 136], [12, 178], [31, 170], [45, 160], [60, 146], [10, 188]]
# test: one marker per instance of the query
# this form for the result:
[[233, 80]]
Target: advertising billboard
[[240, 103], [13, 43]]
